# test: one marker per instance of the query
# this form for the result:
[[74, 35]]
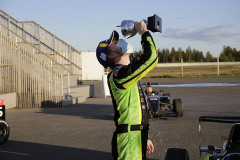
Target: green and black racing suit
[[130, 138]]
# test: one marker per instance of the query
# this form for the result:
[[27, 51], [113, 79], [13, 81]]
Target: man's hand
[[150, 147], [140, 27]]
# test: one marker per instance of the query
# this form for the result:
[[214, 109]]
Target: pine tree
[[188, 54], [172, 55]]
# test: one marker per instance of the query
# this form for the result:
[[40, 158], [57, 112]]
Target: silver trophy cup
[[154, 24], [127, 28]]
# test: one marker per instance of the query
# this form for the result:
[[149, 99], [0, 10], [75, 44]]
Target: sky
[[204, 25]]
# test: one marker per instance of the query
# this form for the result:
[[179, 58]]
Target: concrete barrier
[[9, 100], [91, 68]]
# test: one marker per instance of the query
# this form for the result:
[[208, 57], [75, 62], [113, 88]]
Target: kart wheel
[[178, 107], [4, 132], [176, 154]]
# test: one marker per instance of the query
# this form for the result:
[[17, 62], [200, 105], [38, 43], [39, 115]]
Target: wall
[[35, 82], [9, 100], [91, 68]]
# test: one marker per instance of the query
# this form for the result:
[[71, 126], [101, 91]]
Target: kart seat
[[236, 135], [234, 139]]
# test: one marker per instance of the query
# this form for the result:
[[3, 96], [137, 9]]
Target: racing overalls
[[129, 141]]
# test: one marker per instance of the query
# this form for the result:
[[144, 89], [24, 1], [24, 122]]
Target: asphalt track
[[84, 131]]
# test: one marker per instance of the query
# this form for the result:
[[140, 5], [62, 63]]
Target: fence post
[[69, 84], [182, 66], [39, 37], [55, 52], [218, 66], [9, 25], [24, 32], [71, 60]]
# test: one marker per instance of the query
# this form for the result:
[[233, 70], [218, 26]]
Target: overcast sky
[[206, 25]]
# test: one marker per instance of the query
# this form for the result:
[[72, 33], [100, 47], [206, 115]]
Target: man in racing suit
[[130, 140]]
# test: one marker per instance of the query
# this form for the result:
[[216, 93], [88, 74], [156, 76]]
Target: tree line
[[228, 54]]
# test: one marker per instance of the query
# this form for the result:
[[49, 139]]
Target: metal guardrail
[[35, 48], [196, 64], [185, 66], [6, 65], [36, 83]]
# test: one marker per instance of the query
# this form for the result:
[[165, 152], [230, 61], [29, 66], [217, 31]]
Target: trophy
[[154, 24]]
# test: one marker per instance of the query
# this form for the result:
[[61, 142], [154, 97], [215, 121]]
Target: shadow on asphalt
[[86, 111], [33, 151]]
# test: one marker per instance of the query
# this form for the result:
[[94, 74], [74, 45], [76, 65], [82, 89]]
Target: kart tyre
[[176, 154], [178, 107], [4, 131]]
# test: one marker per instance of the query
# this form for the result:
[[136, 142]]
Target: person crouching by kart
[[130, 140], [149, 90]]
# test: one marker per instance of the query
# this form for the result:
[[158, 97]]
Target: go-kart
[[161, 106], [4, 128], [230, 149]]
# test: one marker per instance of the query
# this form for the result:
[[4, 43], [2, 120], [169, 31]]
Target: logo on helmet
[[103, 56]]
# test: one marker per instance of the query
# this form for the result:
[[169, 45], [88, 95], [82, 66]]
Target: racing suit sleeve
[[126, 76]]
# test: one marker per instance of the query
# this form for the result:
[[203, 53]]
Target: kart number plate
[[152, 99], [2, 112]]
